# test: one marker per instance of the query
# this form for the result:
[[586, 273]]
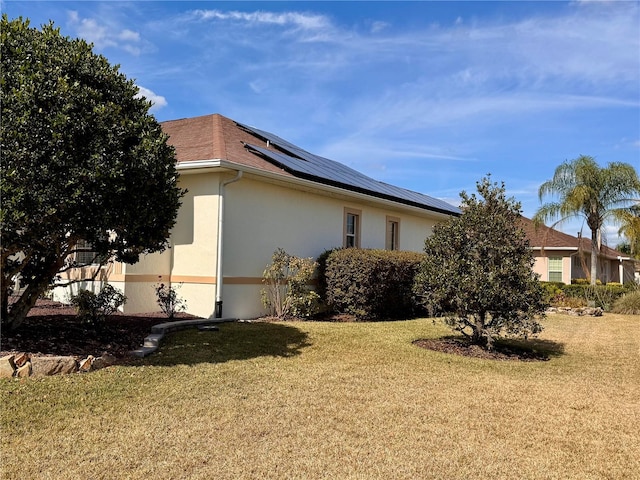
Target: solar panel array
[[301, 163]]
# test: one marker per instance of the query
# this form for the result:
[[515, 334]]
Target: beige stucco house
[[251, 192], [562, 258]]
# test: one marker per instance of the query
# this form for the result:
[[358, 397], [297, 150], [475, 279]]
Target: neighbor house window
[[84, 253], [393, 233], [352, 228], [555, 269]]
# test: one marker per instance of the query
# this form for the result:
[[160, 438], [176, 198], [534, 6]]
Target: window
[[352, 228], [555, 269], [84, 254], [393, 233]]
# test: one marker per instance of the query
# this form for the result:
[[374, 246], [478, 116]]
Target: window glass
[[351, 228], [555, 269], [84, 254], [392, 234]]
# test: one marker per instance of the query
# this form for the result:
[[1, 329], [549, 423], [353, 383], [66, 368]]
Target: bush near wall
[[603, 296], [371, 284]]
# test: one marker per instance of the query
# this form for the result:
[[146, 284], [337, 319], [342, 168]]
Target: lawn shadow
[[529, 350], [532, 348], [233, 341]]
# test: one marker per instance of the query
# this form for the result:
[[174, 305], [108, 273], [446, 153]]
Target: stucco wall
[[259, 218], [541, 266]]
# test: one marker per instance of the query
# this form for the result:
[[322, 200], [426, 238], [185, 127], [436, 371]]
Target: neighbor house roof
[[215, 137], [543, 237]]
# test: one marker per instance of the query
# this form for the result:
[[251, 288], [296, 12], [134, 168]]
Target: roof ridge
[[219, 141]]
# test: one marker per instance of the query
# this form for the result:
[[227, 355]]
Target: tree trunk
[[20, 308], [594, 255], [480, 336]]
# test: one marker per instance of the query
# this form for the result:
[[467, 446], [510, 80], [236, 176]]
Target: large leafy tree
[[478, 270], [82, 161], [580, 188]]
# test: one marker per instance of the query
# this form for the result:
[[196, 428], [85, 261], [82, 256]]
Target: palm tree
[[582, 189], [629, 220]]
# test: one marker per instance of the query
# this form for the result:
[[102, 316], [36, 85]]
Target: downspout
[[219, 273]]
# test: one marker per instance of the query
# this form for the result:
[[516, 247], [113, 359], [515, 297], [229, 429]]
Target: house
[[250, 192], [562, 258]]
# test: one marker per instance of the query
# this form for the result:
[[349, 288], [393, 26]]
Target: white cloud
[[302, 21], [379, 26], [104, 35], [158, 101]]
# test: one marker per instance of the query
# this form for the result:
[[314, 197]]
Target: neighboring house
[[562, 258], [250, 192]]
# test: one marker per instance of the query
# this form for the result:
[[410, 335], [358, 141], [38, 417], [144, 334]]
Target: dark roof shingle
[[215, 137]]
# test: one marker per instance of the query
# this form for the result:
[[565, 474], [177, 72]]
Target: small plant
[[287, 292], [628, 304], [168, 300], [561, 299], [94, 309]]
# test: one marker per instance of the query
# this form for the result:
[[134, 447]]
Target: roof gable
[[214, 137], [549, 239]]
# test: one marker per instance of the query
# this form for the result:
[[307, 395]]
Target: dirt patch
[[501, 351], [53, 329]]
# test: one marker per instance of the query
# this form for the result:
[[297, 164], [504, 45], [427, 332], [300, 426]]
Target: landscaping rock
[[577, 312], [43, 366], [85, 365], [21, 359], [24, 371], [7, 366], [106, 360]]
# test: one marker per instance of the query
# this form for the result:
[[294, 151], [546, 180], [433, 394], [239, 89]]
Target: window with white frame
[[352, 228], [392, 234], [555, 269]]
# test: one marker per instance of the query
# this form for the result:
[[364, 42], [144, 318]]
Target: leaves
[[287, 291], [478, 269], [81, 159]]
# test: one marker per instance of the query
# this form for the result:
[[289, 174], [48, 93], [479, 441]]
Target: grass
[[337, 400]]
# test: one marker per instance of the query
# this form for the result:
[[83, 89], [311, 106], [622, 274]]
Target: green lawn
[[337, 400]]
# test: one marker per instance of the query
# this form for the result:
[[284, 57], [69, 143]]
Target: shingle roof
[[550, 238], [215, 137]]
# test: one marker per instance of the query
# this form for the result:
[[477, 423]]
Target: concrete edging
[[152, 341]]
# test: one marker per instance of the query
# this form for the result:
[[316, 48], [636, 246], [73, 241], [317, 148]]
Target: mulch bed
[[53, 329], [459, 346]]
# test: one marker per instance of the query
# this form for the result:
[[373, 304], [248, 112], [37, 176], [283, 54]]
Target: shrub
[[628, 304], [603, 296], [287, 280], [94, 309], [478, 270], [168, 300], [562, 300], [372, 284], [322, 272], [551, 290]]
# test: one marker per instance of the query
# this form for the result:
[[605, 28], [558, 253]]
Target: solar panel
[[299, 162]]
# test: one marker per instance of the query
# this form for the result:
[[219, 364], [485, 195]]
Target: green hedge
[[601, 295], [370, 284]]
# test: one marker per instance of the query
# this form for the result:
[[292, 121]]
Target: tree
[[629, 220], [83, 163], [585, 190], [478, 270]]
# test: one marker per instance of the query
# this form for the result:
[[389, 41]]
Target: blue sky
[[429, 96]]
